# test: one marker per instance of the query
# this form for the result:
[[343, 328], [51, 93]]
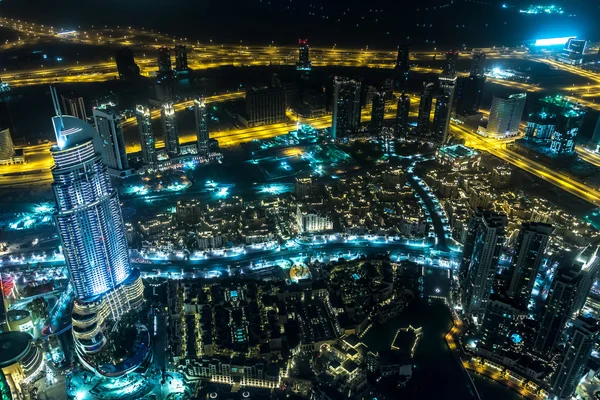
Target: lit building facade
[[144, 121], [304, 63], [571, 368], [481, 254], [91, 232], [556, 311], [265, 106], [170, 129], [201, 118], [443, 107], [501, 316], [346, 107], [309, 221], [505, 116], [529, 253]]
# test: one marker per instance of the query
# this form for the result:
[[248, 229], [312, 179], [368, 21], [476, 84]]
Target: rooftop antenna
[[56, 104]]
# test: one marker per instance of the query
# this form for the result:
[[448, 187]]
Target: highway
[[498, 149]]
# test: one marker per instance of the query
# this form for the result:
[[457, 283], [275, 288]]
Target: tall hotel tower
[[91, 231]]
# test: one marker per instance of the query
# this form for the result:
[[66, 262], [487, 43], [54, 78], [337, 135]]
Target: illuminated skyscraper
[[529, 254], [169, 123], [108, 124], [164, 60], [401, 127], [346, 107], [505, 115], [201, 115], [304, 63], [572, 365], [481, 254], [265, 105], [377, 113], [91, 231], [181, 63], [443, 108], [144, 121], [73, 105], [425, 108], [556, 310]]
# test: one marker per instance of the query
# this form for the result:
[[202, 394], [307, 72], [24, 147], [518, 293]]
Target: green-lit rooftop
[[458, 151]]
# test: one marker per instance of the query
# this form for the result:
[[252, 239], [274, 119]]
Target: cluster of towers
[[501, 305], [347, 100]]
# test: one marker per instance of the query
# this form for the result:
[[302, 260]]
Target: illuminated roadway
[[497, 148]]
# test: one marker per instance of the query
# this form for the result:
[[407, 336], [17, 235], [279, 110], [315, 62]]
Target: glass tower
[[91, 230]]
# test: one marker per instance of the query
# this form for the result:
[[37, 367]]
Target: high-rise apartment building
[[201, 118], [304, 63], [443, 108], [346, 107], [144, 121], [170, 129], [502, 315], [91, 231], [572, 364], [377, 113], [108, 124], [265, 106], [556, 311], [402, 111], [425, 108], [481, 253], [529, 253]]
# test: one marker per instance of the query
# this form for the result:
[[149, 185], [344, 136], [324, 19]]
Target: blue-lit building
[[201, 117], [91, 231]]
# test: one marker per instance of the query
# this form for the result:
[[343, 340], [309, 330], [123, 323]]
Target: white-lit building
[[313, 221]]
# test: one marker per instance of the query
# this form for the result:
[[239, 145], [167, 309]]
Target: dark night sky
[[378, 23]]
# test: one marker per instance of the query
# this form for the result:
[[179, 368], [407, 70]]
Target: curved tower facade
[[92, 233]]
